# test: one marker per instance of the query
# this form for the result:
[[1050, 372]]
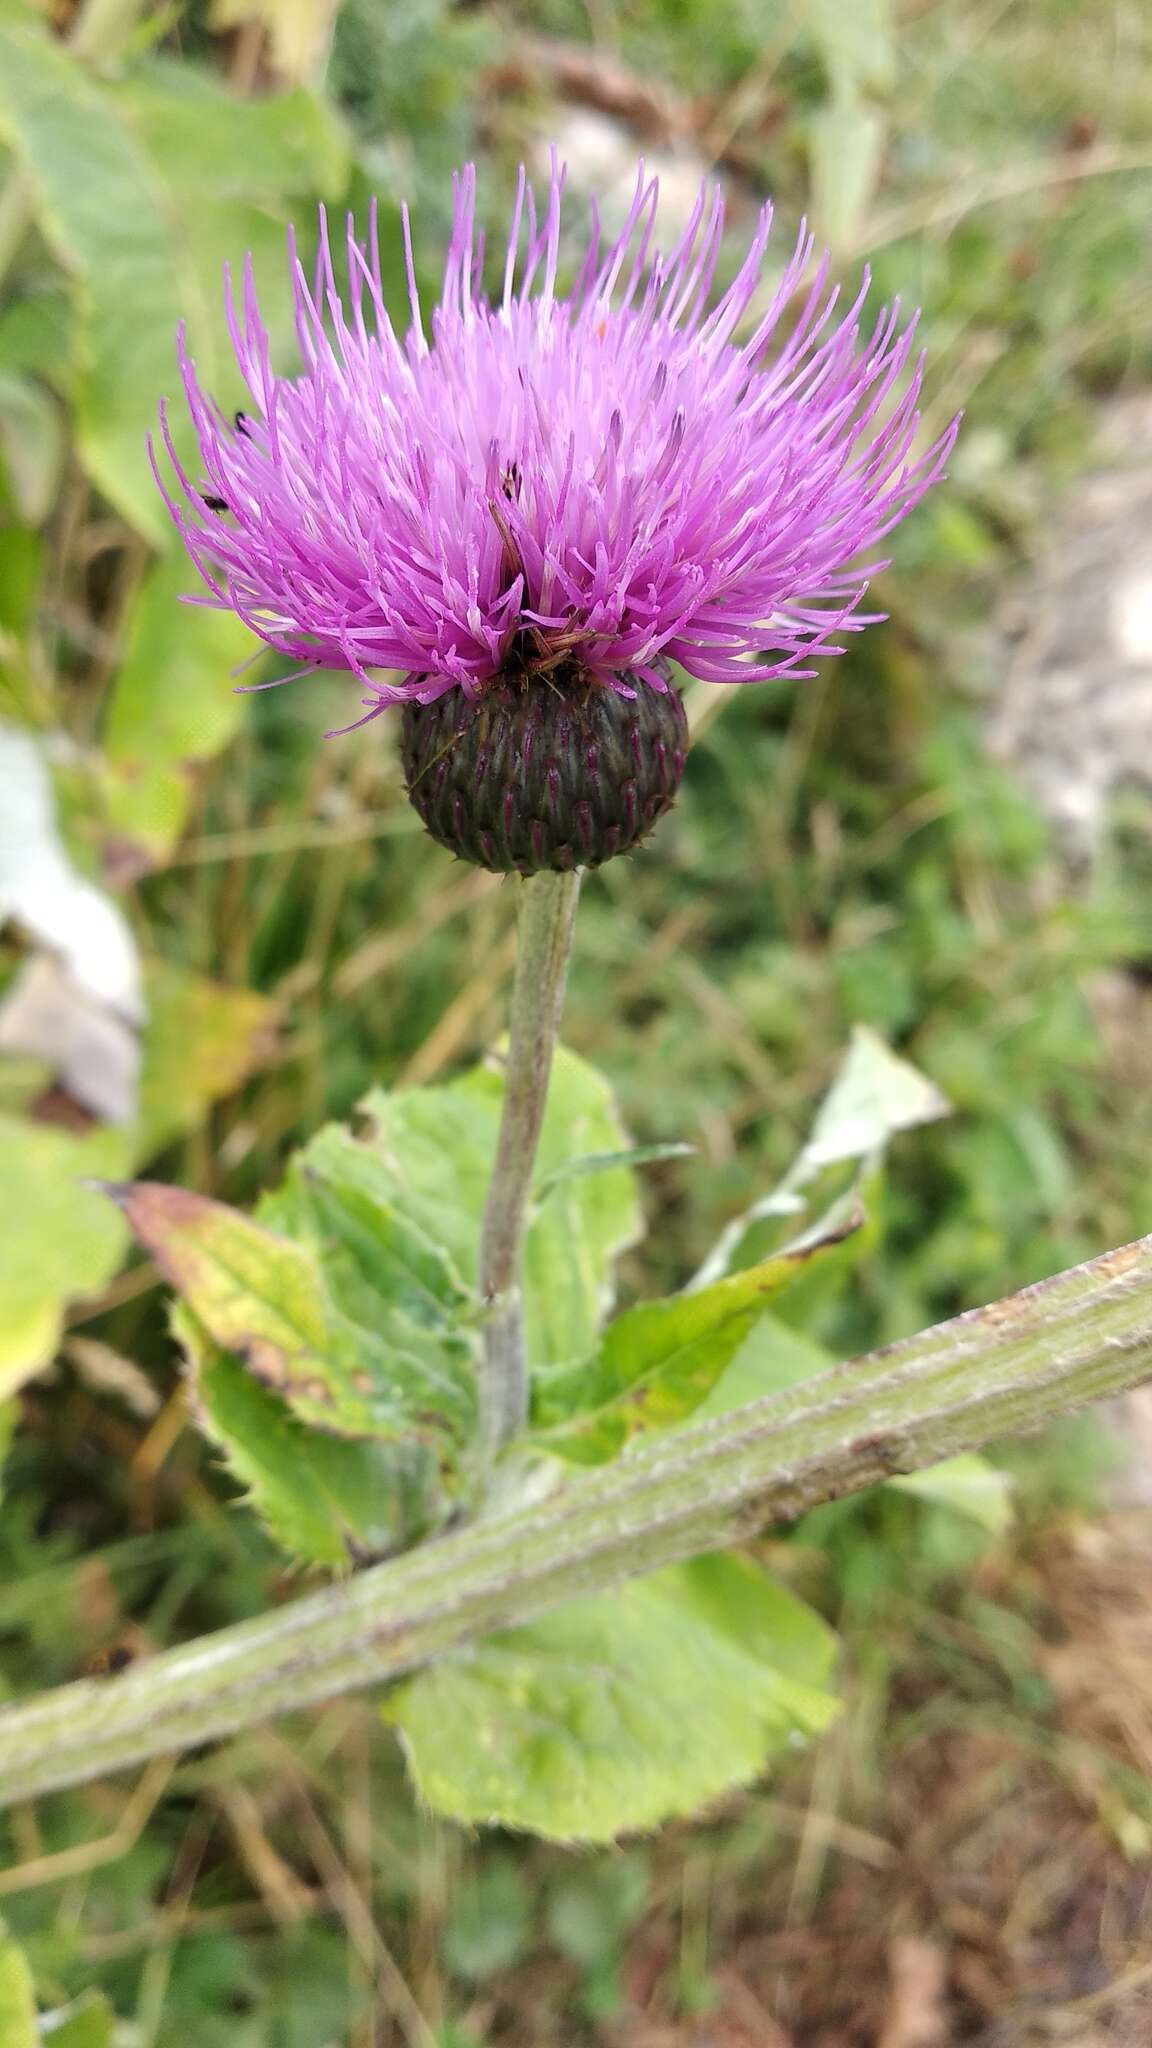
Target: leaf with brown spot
[[265, 1298]]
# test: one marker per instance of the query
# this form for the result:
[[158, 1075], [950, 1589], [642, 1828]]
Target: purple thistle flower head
[[545, 498]]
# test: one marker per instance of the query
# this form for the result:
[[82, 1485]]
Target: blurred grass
[[841, 853]]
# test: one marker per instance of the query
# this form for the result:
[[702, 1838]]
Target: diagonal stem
[[1085, 1334], [547, 914]]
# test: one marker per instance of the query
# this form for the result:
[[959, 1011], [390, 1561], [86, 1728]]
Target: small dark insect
[[242, 424], [214, 504], [510, 481]]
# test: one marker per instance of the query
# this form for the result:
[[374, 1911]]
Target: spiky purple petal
[[611, 475]]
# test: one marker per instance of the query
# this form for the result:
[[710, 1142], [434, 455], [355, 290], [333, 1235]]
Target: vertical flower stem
[[547, 914]]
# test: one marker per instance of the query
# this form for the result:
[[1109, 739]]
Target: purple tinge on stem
[[615, 476]]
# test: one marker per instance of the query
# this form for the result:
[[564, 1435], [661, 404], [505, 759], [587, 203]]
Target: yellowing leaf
[[267, 1298]]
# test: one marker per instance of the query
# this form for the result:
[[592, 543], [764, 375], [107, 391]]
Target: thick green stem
[[1085, 1334], [547, 913]]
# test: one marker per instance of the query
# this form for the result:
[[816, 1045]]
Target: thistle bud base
[[540, 773]]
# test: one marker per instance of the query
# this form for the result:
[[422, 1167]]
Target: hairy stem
[[1014, 1365], [547, 913]]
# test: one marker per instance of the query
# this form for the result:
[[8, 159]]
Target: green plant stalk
[[544, 942], [1085, 1334]]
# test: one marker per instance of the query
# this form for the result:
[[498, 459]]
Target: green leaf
[[875, 1096], [18, 2028], [325, 1499], [31, 446], [846, 151], [107, 227], [339, 1197], [9, 1416], [603, 1162], [437, 1145], [60, 1239], [490, 1924], [618, 1711], [89, 2022], [23, 695], [591, 1908], [580, 1228], [968, 1485], [655, 1364], [165, 156], [173, 704], [37, 335], [772, 1357], [214, 144], [202, 1040], [265, 1297], [857, 42]]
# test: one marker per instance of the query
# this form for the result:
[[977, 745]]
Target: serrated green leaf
[[655, 1364], [619, 1711], [18, 2028], [339, 1196], [967, 1484], [438, 1144], [264, 1297], [326, 1499]]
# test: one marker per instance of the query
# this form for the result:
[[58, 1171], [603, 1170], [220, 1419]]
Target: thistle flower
[[512, 522]]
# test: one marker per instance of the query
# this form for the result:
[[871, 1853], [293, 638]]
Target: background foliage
[[841, 855]]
